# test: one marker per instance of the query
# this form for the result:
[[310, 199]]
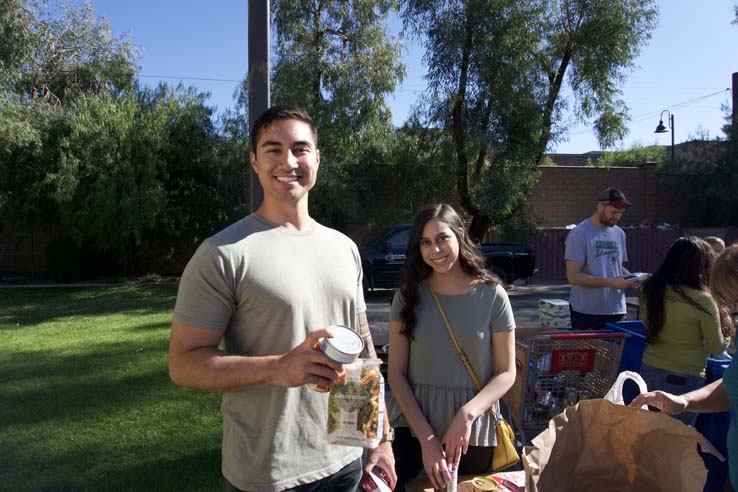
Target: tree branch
[[317, 95], [482, 148], [553, 94], [339, 34]]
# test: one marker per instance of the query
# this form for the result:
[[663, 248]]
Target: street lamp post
[[662, 129]]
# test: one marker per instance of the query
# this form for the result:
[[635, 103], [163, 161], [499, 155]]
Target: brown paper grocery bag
[[598, 445]]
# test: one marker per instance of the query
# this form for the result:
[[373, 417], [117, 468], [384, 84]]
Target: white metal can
[[451, 486], [344, 347]]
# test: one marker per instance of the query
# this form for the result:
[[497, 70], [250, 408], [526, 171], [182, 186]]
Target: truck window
[[399, 240]]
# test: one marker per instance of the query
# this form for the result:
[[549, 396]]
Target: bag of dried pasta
[[355, 405]]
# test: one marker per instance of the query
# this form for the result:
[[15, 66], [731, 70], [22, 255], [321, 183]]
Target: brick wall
[[566, 195]]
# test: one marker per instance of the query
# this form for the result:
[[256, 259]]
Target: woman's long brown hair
[[687, 264], [415, 271]]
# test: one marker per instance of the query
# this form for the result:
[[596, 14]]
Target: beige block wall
[[566, 195]]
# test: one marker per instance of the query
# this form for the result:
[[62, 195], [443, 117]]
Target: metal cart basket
[[556, 369]]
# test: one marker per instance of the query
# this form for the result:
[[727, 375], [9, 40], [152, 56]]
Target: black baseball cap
[[614, 197]]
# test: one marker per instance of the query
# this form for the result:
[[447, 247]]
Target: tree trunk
[[556, 80], [462, 162], [478, 227]]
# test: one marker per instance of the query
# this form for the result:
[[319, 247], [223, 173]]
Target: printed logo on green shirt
[[606, 248]]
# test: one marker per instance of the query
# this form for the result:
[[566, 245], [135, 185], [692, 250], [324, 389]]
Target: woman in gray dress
[[440, 418]]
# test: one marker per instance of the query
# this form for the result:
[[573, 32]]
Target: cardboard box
[[554, 307], [549, 321]]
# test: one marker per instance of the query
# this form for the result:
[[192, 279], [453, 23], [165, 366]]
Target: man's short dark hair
[[281, 113]]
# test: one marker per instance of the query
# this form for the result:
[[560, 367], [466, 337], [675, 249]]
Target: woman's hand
[[434, 462], [666, 402], [456, 439]]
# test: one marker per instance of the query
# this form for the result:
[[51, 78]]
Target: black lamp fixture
[[662, 129]]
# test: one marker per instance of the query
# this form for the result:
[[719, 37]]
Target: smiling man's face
[[286, 161]]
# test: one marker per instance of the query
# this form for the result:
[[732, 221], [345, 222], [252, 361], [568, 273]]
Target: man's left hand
[[383, 457]]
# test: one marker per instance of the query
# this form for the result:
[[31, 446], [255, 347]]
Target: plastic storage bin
[[634, 345]]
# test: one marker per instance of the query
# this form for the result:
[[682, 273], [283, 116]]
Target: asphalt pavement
[[524, 300]]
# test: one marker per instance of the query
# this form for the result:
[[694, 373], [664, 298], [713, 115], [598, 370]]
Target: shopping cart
[[556, 369]]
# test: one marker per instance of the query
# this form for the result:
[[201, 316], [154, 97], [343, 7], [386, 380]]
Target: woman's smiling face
[[439, 246]]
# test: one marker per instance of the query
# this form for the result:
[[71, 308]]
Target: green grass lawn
[[86, 403]]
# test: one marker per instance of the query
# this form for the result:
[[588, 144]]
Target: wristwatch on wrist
[[388, 436]]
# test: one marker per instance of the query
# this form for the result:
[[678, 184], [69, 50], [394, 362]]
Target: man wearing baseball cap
[[595, 253]]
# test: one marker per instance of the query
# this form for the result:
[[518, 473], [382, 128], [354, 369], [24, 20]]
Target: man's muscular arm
[[195, 361]]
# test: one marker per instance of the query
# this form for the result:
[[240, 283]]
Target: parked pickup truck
[[383, 257]]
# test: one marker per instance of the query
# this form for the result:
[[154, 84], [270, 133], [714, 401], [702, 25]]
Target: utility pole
[[258, 80], [734, 120]]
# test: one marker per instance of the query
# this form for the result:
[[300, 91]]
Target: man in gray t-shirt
[[595, 253], [269, 286]]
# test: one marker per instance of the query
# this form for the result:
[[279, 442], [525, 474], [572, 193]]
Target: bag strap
[[459, 350]]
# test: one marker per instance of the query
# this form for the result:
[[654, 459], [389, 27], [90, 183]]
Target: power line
[[654, 114], [670, 88], [409, 89], [680, 105], [412, 88]]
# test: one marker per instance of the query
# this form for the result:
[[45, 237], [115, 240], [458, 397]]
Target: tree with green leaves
[[336, 59], [140, 175], [54, 49], [50, 52], [635, 156], [414, 172], [708, 177], [135, 176], [500, 67], [29, 151]]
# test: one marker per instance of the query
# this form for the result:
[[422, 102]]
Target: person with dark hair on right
[[721, 395], [681, 319]]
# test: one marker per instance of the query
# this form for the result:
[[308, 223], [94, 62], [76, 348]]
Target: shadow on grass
[[105, 419], [193, 472], [42, 386], [27, 306], [198, 472], [152, 326]]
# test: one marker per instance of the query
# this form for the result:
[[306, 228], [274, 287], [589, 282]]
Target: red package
[[372, 482]]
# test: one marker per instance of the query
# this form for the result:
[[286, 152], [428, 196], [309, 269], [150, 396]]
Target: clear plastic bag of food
[[356, 405]]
